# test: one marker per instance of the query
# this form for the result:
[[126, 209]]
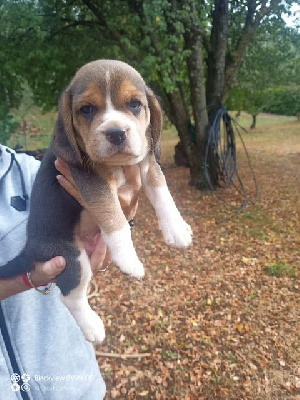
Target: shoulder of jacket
[[27, 162]]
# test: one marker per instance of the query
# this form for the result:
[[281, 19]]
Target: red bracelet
[[49, 287], [26, 281]]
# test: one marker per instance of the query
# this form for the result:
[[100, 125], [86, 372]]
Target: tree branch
[[95, 10], [252, 22], [122, 356], [114, 34]]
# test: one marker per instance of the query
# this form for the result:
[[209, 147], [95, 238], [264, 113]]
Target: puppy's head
[[109, 115]]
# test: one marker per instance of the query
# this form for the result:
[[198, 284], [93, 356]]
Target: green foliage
[[248, 99], [58, 38], [44, 42], [268, 79], [280, 269], [283, 101], [165, 29], [8, 124]]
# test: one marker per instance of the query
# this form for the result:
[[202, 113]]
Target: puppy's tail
[[17, 266]]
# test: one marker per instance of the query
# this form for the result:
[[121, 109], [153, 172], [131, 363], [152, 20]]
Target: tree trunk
[[216, 58], [201, 92], [196, 73], [253, 125], [216, 61], [181, 120]]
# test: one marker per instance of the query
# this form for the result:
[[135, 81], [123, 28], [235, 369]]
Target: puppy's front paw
[[176, 232], [131, 265]]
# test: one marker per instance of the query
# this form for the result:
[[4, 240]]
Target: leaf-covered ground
[[219, 320]]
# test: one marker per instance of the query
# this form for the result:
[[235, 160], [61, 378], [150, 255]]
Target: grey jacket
[[43, 354]]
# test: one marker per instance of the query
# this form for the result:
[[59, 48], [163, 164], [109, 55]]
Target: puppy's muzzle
[[116, 136]]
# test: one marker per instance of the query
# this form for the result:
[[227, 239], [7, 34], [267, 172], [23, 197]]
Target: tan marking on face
[[128, 91], [155, 177], [91, 95]]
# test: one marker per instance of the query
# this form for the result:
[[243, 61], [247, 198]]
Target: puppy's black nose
[[115, 136]]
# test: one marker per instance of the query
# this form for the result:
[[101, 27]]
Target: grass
[[273, 135], [280, 270], [263, 119], [251, 215], [35, 130]]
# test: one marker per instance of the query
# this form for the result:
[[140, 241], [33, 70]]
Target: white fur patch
[[114, 118], [89, 322], [132, 145], [123, 253]]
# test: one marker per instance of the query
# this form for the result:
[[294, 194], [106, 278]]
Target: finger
[[107, 259], [72, 190], [54, 267], [64, 169], [98, 256], [46, 272]]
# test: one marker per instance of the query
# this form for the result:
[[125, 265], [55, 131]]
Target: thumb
[[47, 271], [54, 267]]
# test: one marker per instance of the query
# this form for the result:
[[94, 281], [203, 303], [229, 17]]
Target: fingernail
[[60, 262]]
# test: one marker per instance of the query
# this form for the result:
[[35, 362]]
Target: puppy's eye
[[134, 106], [88, 111]]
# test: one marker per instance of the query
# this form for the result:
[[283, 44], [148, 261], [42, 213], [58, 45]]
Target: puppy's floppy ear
[[65, 144], [156, 121]]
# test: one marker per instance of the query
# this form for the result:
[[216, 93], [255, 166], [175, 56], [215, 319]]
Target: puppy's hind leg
[[76, 300]]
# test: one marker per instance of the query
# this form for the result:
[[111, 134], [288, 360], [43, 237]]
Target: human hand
[[46, 272], [41, 274]]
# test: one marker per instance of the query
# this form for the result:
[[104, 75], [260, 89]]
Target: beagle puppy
[[108, 120]]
